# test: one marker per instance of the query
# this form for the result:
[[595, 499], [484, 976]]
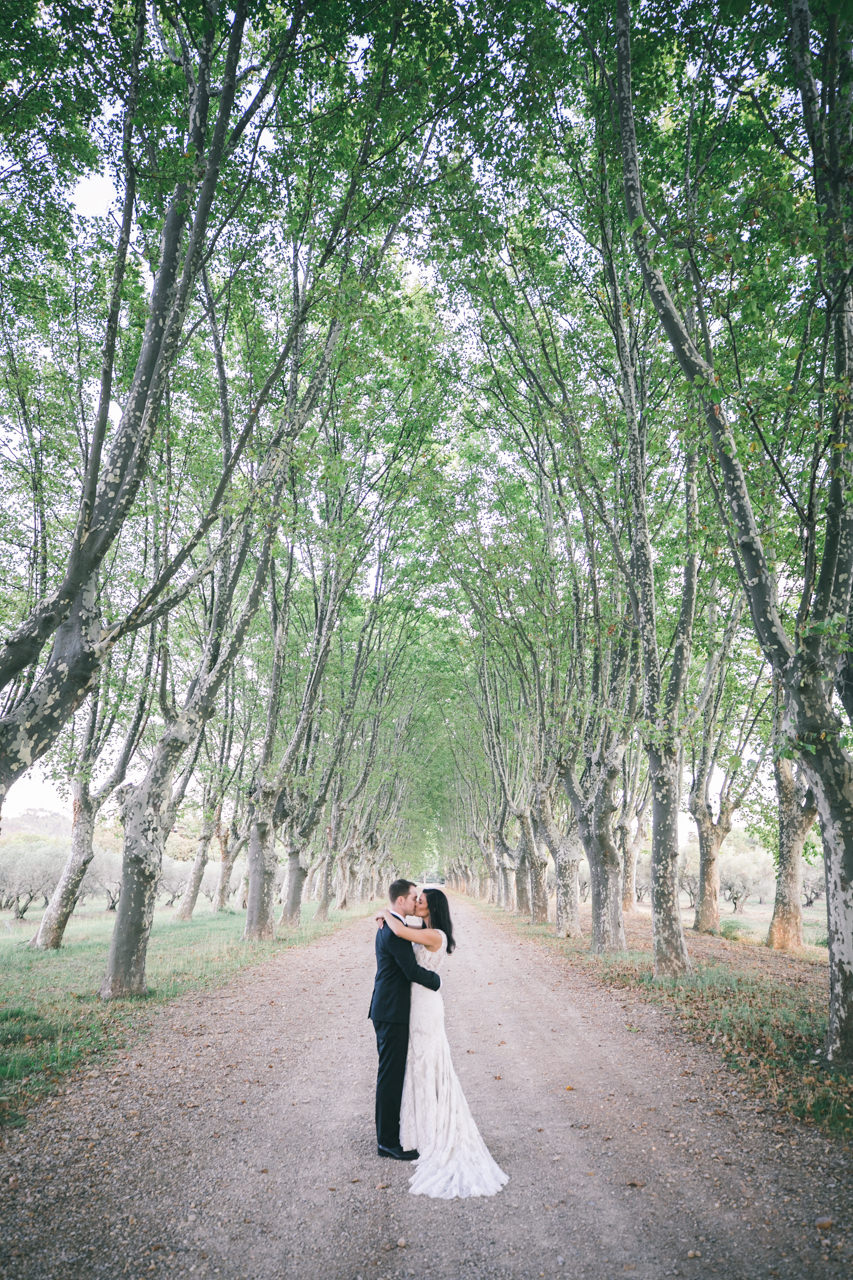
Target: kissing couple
[[421, 1112]]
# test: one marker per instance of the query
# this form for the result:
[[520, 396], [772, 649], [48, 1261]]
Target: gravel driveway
[[236, 1140]]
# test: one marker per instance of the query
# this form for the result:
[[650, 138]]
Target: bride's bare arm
[[430, 938]]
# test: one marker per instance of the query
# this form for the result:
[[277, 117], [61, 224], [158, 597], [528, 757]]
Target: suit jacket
[[396, 970]]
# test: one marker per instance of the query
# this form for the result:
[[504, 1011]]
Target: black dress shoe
[[397, 1153]]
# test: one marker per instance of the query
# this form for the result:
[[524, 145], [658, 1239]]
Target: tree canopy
[[441, 448]]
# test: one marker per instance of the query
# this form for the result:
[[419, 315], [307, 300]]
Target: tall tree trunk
[[608, 932], [325, 887], [296, 874], [631, 829], [537, 866], [568, 923], [503, 886], [51, 930], [797, 812], [363, 882], [565, 849], [148, 813], [486, 845], [593, 805], [144, 839], [341, 897], [262, 863], [229, 852], [629, 848], [352, 879], [707, 918], [522, 884], [711, 835], [539, 890], [670, 951], [191, 892], [608, 923]]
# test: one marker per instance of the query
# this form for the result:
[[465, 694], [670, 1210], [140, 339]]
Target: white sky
[[34, 791], [92, 198]]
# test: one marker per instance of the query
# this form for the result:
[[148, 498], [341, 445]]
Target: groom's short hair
[[399, 889]]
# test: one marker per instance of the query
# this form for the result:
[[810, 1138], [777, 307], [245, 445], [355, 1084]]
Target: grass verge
[[769, 1030], [51, 1018]]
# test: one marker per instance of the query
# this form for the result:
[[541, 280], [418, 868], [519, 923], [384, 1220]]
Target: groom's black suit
[[396, 970]]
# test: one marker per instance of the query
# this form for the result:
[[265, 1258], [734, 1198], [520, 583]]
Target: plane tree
[[189, 97], [779, 424]]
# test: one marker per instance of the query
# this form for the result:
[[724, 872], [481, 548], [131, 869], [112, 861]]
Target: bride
[[434, 1116]]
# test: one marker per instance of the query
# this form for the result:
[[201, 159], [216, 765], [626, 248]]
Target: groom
[[396, 970]]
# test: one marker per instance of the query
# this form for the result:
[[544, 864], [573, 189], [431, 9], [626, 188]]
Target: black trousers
[[392, 1041]]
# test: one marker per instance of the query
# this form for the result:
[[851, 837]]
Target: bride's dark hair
[[439, 915]]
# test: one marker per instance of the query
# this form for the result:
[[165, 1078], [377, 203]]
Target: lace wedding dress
[[434, 1116]]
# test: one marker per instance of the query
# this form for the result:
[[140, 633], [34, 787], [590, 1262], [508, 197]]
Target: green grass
[[771, 1032], [51, 1018]]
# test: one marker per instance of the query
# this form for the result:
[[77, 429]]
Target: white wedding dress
[[434, 1116]]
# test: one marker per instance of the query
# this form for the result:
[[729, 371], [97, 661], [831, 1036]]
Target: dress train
[[435, 1117]]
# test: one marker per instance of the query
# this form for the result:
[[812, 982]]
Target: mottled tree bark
[[505, 887], [537, 866], [190, 897], [568, 922], [148, 812], [325, 887], [538, 891], [797, 813], [593, 803], [230, 849], [711, 836], [486, 845], [607, 908], [144, 839], [262, 863], [343, 883], [507, 863], [51, 929], [631, 824], [565, 849], [294, 881], [523, 905], [629, 848], [670, 951]]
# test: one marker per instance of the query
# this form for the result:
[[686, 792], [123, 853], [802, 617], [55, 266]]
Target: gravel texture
[[236, 1140]]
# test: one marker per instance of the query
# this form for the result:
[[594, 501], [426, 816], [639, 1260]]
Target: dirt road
[[237, 1141]]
